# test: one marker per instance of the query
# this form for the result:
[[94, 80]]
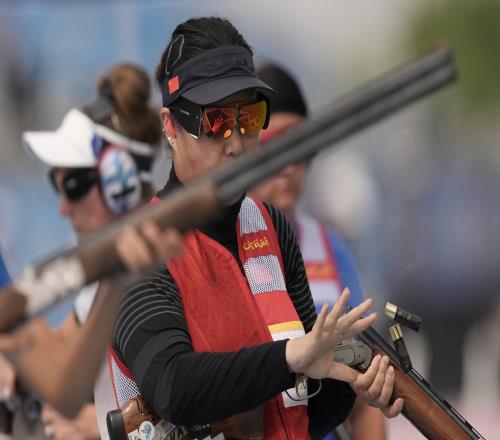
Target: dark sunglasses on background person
[[219, 122], [76, 183]]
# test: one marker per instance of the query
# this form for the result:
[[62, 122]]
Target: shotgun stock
[[95, 257], [432, 415], [136, 418]]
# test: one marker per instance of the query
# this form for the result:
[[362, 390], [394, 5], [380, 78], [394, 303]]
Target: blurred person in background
[[16, 85], [328, 262], [4, 280], [207, 337], [4, 274], [101, 159]]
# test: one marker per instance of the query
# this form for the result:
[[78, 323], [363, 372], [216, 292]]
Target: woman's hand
[[142, 248], [312, 354], [375, 386]]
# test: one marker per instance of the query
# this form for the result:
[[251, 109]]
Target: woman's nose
[[233, 145]]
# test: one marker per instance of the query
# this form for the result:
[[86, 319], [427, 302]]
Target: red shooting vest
[[226, 311]]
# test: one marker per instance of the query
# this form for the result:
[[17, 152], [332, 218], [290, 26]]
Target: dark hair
[[195, 36], [128, 88]]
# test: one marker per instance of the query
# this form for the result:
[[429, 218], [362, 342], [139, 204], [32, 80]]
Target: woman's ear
[[168, 124]]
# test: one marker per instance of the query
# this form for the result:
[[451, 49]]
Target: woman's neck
[[222, 228]]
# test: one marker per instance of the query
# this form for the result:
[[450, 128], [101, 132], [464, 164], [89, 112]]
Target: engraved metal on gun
[[56, 279], [165, 431], [352, 352]]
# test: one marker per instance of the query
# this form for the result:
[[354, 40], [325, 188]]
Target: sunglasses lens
[[219, 122], [76, 184], [252, 118]]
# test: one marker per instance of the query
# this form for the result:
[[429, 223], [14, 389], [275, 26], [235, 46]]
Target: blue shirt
[[4, 275]]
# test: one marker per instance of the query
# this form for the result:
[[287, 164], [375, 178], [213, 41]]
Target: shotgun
[[43, 284]]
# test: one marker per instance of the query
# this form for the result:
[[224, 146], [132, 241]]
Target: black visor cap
[[212, 76]]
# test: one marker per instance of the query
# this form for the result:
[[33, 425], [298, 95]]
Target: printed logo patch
[[173, 84], [256, 244]]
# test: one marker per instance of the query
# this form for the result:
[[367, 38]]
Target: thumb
[[342, 372]]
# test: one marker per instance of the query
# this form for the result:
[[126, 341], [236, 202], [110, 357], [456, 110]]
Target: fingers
[[393, 410], [133, 250], [338, 308], [310, 354], [362, 324], [387, 387], [352, 322], [382, 382], [342, 372], [320, 320], [376, 386], [354, 315], [166, 244], [140, 250], [364, 381]]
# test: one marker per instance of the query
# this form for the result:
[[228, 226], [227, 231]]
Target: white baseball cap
[[70, 146]]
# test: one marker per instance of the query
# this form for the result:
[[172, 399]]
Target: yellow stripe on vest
[[286, 326]]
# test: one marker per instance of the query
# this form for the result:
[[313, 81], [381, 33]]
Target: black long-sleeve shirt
[[188, 387]]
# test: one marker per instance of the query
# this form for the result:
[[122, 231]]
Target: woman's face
[[89, 212], [282, 190], [195, 157]]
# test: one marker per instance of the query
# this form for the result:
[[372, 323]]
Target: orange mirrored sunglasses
[[248, 119], [219, 122]]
